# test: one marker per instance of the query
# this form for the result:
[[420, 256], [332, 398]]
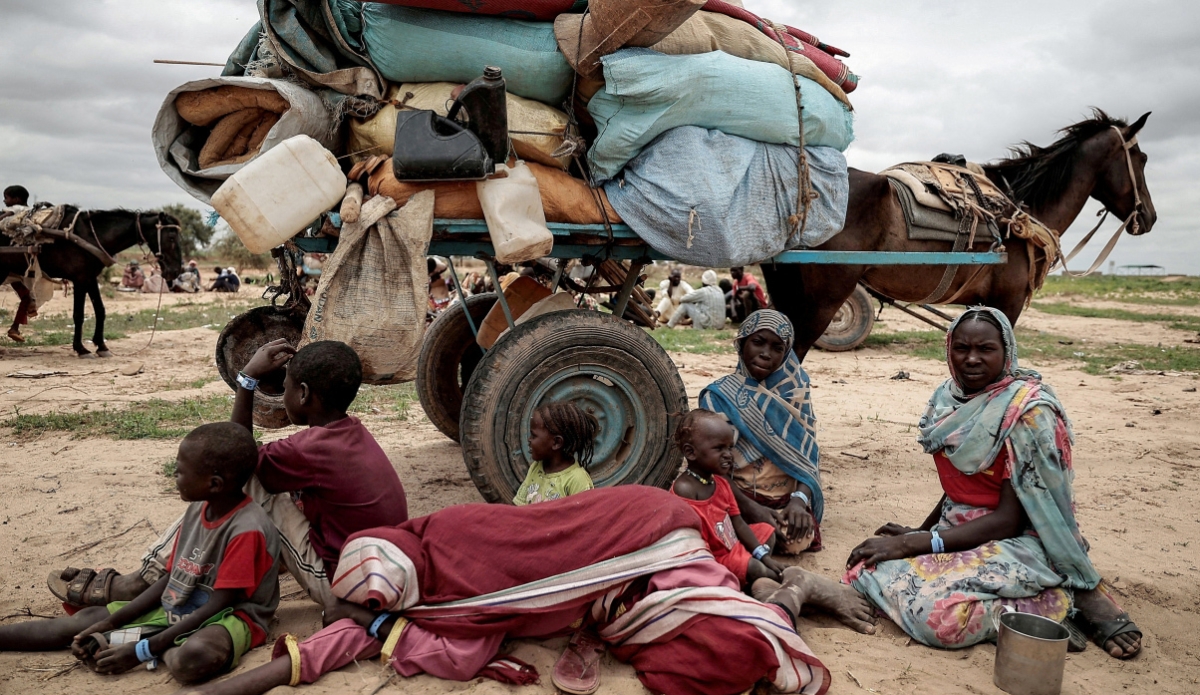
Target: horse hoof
[[103, 353], [86, 356]]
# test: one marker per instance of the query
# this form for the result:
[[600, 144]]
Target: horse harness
[[1130, 223], [930, 179]]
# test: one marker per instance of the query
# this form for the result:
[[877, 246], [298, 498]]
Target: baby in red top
[[706, 440]]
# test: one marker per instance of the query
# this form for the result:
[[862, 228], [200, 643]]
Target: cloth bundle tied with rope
[[805, 195]]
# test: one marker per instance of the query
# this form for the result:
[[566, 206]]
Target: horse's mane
[[1038, 175]]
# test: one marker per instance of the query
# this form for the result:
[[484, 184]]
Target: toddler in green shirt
[[561, 439]]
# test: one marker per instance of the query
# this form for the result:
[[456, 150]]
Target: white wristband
[[799, 494]]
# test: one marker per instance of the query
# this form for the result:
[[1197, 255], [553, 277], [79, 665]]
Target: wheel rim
[[843, 321], [612, 400]]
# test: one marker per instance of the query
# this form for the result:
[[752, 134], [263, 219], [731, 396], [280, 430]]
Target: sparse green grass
[[154, 419], [169, 467], [1129, 289], [395, 402], [1176, 321], [59, 328], [1038, 348], [203, 381], [694, 341]]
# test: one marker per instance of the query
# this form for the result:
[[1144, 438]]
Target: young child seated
[[561, 438], [341, 480], [221, 589], [706, 440]]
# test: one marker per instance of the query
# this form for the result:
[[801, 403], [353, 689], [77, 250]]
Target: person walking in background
[[18, 197], [670, 292], [705, 306]]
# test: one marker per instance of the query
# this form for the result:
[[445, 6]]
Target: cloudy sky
[[79, 91]]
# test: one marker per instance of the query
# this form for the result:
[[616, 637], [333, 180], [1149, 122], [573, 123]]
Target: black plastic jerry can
[[486, 105]]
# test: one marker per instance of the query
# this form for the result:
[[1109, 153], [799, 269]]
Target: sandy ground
[[97, 502]]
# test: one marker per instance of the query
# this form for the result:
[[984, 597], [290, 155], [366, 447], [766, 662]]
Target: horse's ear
[[1137, 125]]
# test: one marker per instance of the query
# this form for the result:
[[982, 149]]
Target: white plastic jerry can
[[512, 207], [280, 192]]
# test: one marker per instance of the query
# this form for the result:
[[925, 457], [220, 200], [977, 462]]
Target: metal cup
[[1031, 652]]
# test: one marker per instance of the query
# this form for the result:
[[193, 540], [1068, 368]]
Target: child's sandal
[[83, 587]]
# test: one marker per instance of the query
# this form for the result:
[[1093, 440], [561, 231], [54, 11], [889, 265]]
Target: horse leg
[[93, 291], [810, 296], [79, 295]]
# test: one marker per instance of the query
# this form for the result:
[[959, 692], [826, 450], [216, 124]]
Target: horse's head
[[160, 232], [1121, 182]]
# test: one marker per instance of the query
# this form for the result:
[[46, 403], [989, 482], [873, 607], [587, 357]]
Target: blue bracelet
[[761, 551], [143, 651], [937, 545], [374, 629]]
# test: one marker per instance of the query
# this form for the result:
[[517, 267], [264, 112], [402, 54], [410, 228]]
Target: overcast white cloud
[[78, 90]]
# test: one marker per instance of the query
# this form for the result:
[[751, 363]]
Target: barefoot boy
[[221, 590], [318, 486]]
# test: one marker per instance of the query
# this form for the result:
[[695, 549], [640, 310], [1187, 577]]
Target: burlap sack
[[373, 290]]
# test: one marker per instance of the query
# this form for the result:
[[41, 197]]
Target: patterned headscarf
[[1023, 415], [774, 418]]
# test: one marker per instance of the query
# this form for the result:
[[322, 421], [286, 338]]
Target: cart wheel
[[611, 369], [238, 342], [448, 357], [851, 325]]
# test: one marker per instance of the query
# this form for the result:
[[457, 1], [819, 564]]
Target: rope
[[1130, 223], [804, 192]]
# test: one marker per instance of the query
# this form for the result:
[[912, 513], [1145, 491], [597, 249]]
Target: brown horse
[[1052, 184]]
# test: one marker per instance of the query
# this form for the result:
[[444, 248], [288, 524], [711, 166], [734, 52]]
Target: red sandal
[[577, 671]]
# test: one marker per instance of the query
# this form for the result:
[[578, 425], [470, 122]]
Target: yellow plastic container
[[277, 195]]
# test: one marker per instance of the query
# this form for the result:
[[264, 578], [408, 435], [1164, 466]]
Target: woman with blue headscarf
[[1004, 534], [776, 472]]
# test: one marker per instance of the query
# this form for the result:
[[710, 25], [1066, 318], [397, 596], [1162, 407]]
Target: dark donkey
[[109, 232], [1052, 184]]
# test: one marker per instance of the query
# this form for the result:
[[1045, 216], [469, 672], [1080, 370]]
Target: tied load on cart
[[579, 141]]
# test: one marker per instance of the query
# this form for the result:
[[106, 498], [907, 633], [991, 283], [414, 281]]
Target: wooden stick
[[187, 62], [93, 544]]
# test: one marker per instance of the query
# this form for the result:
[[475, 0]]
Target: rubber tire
[[448, 357], [522, 360], [238, 342], [852, 324]]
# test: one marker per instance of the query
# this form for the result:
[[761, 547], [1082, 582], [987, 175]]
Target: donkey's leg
[[79, 295], [93, 291]]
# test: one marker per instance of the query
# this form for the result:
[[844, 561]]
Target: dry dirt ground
[[98, 502]]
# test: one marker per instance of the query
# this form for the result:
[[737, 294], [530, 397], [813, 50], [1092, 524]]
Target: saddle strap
[[960, 244]]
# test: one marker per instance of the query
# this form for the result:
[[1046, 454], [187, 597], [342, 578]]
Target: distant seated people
[[226, 281], [746, 297], [154, 284], [17, 196], [234, 280], [705, 306], [189, 280], [670, 292], [133, 278]]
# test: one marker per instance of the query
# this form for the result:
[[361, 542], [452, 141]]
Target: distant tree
[[195, 233], [228, 247]]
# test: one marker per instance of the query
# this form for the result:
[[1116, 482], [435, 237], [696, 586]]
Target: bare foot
[[802, 588], [1098, 605], [762, 589]]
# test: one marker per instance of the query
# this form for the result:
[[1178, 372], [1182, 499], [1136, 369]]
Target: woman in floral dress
[[1004, 534]]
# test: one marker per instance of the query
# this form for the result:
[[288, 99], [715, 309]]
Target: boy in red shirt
[[318, 486], [220, 590]]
